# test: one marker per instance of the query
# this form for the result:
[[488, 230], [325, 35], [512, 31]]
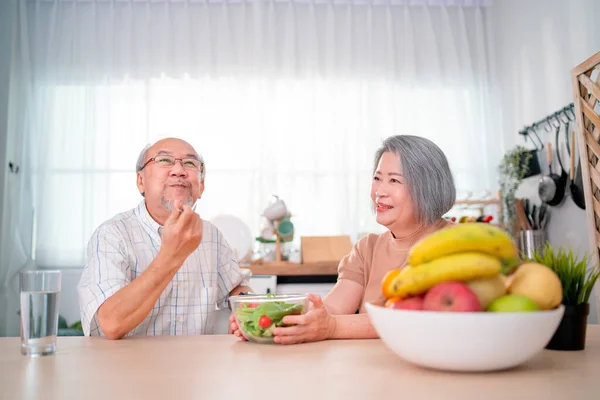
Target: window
[[309, 140]]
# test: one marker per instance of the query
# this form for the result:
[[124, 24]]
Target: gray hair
[[142, 159], [426, 172]]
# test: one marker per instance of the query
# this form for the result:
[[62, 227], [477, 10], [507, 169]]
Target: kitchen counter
[[221, 367], [292, 269]]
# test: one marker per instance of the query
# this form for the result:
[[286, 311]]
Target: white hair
[[426, 172]]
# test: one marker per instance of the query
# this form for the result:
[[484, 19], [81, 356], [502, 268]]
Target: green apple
[[513, 303]]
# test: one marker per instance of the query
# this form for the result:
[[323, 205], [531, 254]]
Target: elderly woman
[[411, 191]]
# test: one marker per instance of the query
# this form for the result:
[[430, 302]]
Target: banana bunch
[[463, 252]]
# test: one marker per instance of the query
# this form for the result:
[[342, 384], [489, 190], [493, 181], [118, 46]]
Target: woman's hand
[[317, 324], [234, 329]]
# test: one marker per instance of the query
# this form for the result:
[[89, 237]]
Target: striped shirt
[[122, 248]]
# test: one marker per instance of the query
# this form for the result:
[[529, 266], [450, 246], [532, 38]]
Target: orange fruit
[[388, 279], [390, 302]]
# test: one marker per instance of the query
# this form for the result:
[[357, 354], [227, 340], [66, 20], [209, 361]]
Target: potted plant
[[577, 283], [515, 166]]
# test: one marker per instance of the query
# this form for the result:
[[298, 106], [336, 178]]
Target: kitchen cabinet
[[292, 269], [315, 288], [263, 284], [317, 278]]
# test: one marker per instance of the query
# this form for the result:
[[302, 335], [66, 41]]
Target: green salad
[[260, 319]]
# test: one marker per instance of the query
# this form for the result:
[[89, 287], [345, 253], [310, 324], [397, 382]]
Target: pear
[[539, 283], [488, 289]]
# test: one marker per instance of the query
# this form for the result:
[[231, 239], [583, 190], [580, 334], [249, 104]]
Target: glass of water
[[40, 290]]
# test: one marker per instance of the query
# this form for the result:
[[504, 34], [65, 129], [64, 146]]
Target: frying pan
[[550, 189], [563, 174], [576, 193]]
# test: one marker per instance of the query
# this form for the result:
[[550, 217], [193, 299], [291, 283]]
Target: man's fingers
[[177, 205], [239, 334], [187, 216], [175, 214]]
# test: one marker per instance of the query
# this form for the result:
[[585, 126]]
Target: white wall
[[538, 42]]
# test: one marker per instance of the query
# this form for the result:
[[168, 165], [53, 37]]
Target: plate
[[237, 234]]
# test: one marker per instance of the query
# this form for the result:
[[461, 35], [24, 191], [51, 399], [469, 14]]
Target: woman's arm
[[353, 327], [344, 298], [341, 303]]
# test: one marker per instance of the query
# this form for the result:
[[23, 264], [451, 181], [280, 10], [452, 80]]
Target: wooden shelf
[[477, 202], [288, 269]]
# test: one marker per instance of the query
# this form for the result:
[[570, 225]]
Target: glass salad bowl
[[258, 315]]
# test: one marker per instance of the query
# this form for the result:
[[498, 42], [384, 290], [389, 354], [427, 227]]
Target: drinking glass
[[40, 290]]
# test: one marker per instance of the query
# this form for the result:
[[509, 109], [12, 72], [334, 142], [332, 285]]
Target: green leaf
[[62, 322]]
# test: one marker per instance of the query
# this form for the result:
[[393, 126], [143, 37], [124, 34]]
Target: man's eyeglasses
[[167, 161]]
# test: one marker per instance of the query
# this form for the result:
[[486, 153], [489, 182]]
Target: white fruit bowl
[[460, 341]]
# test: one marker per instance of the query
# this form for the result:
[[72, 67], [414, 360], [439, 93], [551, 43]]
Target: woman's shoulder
[[367, 243], [371, 239]]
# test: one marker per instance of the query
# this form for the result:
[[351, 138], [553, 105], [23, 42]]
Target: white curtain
[[280, 97], [16, 230]]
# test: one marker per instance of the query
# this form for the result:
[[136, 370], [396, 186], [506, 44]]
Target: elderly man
[[159, 269]]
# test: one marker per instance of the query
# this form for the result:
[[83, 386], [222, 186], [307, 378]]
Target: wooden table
[[220, 367]]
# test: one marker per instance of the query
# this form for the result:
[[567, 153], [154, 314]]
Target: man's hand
[[234, 328], [182, 232]]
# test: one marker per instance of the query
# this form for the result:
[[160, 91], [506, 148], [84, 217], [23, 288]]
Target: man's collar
[[147, 219]]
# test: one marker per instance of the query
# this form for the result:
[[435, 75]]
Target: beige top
[[221, 367], [375, 255]]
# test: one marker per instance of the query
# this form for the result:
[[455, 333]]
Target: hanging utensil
[[550, 189], [527, 211], [576, 193], [543, 216], [578, 181], [521, 217], [564, 177]]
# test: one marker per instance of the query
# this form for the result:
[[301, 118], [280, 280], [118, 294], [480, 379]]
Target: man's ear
[[200, 188], [140, 183]]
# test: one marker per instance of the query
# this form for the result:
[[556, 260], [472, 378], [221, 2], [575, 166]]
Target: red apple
[[451, 296], [409, 303]]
